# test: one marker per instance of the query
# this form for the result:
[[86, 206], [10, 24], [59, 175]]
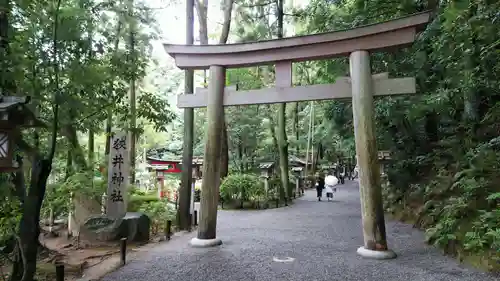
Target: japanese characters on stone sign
[[116, 205]]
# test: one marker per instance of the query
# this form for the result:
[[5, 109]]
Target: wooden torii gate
[[361, 86]]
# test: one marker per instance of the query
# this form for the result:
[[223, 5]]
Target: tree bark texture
[[372, 212], [132, 97], [226, 26], [282, 138], [283, 150], [211, 166], [91, 150], [187, 145]]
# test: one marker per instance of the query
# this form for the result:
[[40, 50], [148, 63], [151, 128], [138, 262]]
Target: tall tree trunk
[[18, 180], [29, 229], [240, 155], [296, 127], [309, 135], [224, 152], [201, 8], [109, 119], [132, 101], [29, 225], [272, 130], [69, 164], [315, 160], [282, 138], [187, 145], [226, 27], [77, 152], [91, 151], [109, 126], [91, 142], [7, 85]]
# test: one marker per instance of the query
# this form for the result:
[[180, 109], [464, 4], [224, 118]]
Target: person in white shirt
[[330, 183]]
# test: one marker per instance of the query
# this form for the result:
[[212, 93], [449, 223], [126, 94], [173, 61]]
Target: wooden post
[[297, 185], [211, 167], [168, 230], [123, 251], [372, 213], [59, 272], [191, 200]]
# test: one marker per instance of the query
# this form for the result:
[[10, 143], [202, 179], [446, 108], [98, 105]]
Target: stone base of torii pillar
[[376, 255], [205, 243]]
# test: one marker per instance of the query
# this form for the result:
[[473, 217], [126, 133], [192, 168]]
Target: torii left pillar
[[209, 200]]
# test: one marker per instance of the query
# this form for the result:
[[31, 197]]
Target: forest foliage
[[77, 60], [443, 140]]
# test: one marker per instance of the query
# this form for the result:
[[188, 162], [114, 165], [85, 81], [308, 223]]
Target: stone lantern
[[266, 169], [384, 157], [196, 174], [297, 172], [14, 116], [196, 171]]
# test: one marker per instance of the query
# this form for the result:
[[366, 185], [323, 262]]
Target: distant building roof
[[196, 160], [14, 109], [266, 165], [296, 160], [384, 155], [8, 102]]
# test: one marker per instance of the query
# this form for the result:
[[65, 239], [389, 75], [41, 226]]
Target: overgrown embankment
[[458, 206]]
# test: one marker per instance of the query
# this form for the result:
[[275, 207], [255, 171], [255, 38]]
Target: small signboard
[[98, 222]]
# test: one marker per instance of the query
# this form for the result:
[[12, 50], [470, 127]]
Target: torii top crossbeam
[[380, 36]]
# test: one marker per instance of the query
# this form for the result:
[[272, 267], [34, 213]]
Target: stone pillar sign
[[116, 199]]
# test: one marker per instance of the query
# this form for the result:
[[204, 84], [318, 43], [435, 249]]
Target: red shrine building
[[162, 167]]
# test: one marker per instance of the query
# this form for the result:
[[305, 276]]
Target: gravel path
[[321, 237]]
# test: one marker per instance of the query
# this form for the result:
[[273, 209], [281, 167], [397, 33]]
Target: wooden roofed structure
[[14, 116]]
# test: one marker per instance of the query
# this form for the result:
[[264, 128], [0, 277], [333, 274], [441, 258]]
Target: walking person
[[320, 185], [342, 174], [329, 192], [330, 183]]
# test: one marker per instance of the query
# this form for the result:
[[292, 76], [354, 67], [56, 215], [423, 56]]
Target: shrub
[[10, 214], [459, 204], [57, 195], [132, 190], [275, 188], [159, 211], [136, 201], [197, 195], [243, 187]]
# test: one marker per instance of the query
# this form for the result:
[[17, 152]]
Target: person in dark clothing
[[342, 174], [320, 185]]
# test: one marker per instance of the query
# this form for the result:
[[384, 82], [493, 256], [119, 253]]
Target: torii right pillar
[[372, 211]]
